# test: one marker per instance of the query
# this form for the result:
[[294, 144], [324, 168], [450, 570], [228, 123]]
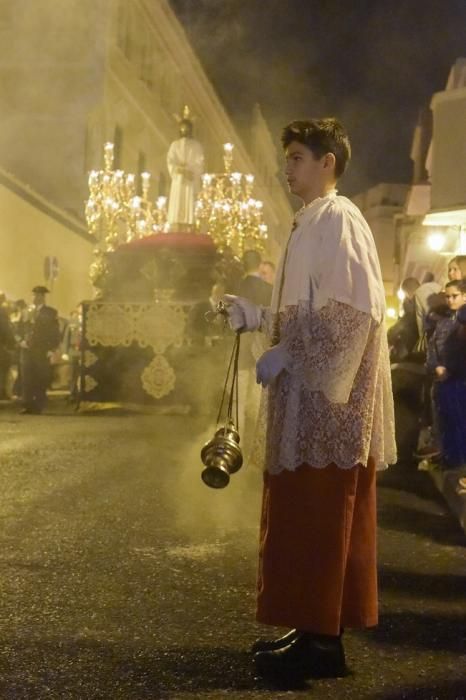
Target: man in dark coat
[[40, 336], [252, 287]]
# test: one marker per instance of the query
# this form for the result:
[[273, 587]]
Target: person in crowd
[[203, 325], [18, 318], [267, 271], [403, 335], [40, 337], [442, 363], [229, 269], [423, 297], [457, 268], [409, 286], [329, 416], [7, 346], [71, 345], [455, 297], [254, 288]]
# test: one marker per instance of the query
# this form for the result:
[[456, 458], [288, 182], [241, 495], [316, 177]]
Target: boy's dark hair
[[321, 136], [459, 284]]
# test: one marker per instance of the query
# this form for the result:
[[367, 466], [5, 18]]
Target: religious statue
[[185, 161]]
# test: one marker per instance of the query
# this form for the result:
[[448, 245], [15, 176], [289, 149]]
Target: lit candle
[[228, 147], [250, 179], [108, 155]]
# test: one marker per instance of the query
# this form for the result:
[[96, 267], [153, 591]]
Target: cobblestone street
[[124, 577]]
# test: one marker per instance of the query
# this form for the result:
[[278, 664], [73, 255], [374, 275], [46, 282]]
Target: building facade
[[433, 227], [379, 206], [41, 244], [112, 70]]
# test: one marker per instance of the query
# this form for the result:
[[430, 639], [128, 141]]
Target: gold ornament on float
[[227, 210], [158, 378]]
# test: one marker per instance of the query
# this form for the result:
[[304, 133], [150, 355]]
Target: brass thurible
[[222, 454], [222, 457]]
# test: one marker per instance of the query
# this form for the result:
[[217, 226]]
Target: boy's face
[[305, 173], [455, 299]]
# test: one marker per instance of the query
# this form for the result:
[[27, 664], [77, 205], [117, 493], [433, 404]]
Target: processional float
[[126, 222]]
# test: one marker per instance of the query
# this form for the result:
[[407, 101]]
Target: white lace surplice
[[335, 404]]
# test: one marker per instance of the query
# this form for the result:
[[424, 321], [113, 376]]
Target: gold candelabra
[[115, 212], [227, 210]]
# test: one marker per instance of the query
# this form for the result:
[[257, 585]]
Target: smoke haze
[[373, 64]]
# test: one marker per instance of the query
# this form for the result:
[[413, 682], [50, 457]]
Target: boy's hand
[[271, 363]]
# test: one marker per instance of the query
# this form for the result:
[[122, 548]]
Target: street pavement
[[124, 577]]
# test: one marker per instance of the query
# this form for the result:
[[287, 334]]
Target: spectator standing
[[457, 268], [446, 359], [423, 297], [40, 337], [267, 271], [72, 336], [256, 290]]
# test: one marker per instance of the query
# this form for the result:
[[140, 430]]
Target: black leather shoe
[[273, 644], [306, 656]]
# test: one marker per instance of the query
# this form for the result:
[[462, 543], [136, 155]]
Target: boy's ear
[[329, 161]]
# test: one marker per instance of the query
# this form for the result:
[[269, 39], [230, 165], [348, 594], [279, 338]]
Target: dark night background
[[373, 63]]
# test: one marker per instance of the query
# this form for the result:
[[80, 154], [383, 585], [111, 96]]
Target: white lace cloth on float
[[335, 403]]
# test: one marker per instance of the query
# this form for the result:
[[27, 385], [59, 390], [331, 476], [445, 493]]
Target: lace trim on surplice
[[334, 404]]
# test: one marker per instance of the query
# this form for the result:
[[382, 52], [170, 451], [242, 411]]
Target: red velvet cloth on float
[[179, 261]]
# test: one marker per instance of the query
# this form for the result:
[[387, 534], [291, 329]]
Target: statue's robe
[[185, 161]]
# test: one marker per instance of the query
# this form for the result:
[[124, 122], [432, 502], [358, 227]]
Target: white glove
[[243, 315], [271, 363]]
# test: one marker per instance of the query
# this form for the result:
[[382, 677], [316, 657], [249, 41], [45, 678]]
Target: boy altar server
[[328, 415]]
